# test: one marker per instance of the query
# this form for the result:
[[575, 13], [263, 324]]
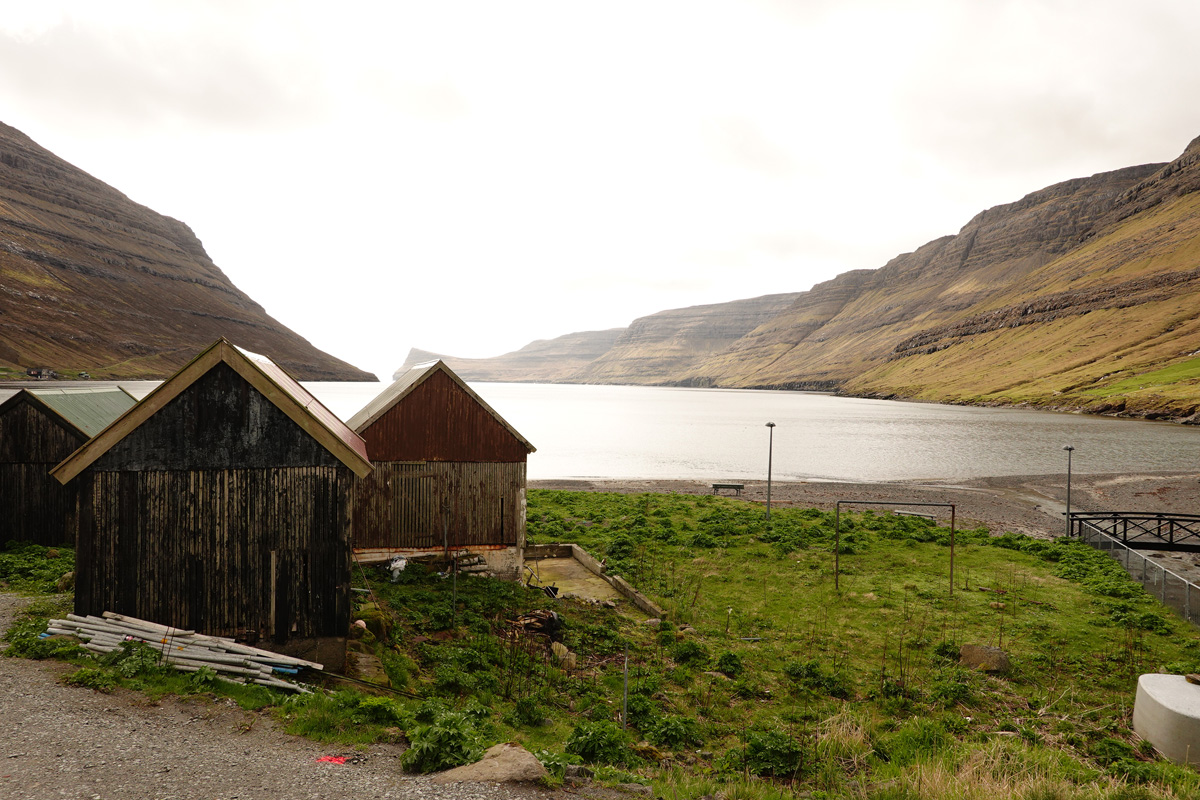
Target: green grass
[[1184, 371], [878, 655], [767, 679], [32, 568]]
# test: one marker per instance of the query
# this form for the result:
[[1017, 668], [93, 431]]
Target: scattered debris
[[541, 621], [396, 566], [186, 651]]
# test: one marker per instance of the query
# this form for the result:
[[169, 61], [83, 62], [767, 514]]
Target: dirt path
[[60, 741]]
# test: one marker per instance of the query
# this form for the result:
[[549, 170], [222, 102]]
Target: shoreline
[[1029, 504]]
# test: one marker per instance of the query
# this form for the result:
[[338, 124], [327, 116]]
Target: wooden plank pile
[[186, 651]]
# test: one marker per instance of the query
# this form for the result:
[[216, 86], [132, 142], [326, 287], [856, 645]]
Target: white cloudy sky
[[466, 177]]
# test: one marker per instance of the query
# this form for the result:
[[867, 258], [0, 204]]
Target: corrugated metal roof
[[89, 409], [404, 385], [266, 376]]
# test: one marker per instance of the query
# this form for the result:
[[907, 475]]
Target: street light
[[770, 448], [1069, 450]]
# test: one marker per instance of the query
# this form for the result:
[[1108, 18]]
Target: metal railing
[[1145, 531], [1173, 590]]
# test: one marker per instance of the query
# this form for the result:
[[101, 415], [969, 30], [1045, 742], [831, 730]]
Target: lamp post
[[1069, 450], [770, 448]]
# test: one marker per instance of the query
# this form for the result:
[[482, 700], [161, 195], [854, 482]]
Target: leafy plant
[[601, 742], [675, 731], [28, 567], [452, 739], [729, 664], [102, 680], [689, 652], [133, 659], [770, 753]]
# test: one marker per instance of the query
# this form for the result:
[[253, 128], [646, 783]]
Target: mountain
[[1081, 296], [542, 361], [92, 282]]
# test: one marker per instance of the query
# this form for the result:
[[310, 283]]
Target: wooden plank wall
[[234, 552], [35, 507], [401, 504]]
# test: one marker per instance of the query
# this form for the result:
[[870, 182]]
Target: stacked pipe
[[186, 651]]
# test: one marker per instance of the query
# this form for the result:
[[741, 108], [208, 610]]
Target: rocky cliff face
[[939, 282], [663, 347], [91, 281]]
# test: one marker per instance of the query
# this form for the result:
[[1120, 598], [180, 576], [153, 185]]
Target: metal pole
[[951, 549], [625, 693], [1069, 450], [770, 453], [837, 541]]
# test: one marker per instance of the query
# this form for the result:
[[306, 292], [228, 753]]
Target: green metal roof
[[91, 410]]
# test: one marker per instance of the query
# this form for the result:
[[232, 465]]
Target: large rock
[[504, 763]]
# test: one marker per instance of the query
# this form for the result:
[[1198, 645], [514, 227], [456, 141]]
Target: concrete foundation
[[1166, 713]]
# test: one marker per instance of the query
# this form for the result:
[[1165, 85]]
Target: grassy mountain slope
[[936, 285], [1108, 327], [91, 281]]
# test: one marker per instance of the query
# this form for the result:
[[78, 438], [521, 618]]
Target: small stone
[[635, 788], [66, 582], [982, 657], [577, 771], [653, 622], [648, 751]]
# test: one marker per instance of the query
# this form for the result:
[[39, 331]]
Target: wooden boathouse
[[449, 474], [221, 504], [38, 429]]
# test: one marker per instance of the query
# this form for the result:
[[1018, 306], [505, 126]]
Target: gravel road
[[63, 742]]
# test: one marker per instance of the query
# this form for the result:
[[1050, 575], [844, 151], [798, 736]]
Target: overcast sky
[[466, 177]]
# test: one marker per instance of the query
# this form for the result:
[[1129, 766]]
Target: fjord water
[[631, 432]]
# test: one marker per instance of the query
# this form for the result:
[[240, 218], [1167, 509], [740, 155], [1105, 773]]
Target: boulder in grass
[[504, 763], [983, 657]]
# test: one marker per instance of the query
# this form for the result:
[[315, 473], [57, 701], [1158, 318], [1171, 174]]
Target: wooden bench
[[737, 487], [914, 514]]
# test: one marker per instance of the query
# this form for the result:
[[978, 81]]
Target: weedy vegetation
[[764, 680]]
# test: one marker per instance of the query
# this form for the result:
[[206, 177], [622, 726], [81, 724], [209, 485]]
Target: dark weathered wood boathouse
[[221, 504], [449, 474], [38, 429]]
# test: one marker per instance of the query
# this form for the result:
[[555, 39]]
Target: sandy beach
[[1029, 504]]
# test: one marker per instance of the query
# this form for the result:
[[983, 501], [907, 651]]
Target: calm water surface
[[627, 432], [714, 434]]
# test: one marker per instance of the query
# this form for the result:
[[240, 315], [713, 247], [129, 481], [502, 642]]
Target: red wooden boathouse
[[449, 474]]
